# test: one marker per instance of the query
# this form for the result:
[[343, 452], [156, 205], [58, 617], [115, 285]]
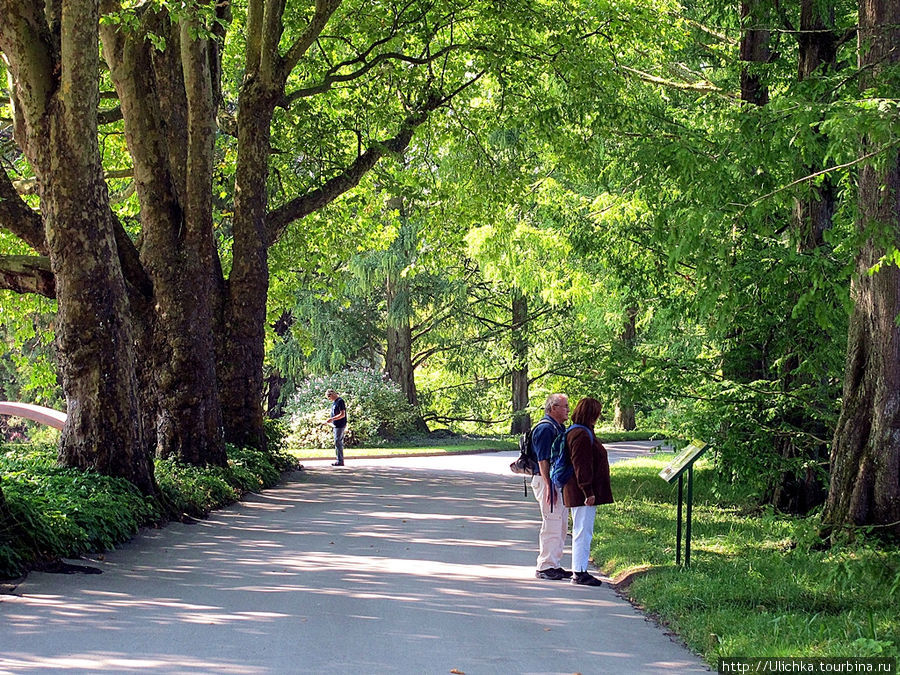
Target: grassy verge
[[758, 584], [425, 445], [63, 513]]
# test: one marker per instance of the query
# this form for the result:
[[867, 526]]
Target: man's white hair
[[552, 400]]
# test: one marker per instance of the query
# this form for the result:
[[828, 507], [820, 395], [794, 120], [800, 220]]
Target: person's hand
[[589, 501]]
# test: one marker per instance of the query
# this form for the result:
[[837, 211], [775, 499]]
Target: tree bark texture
[[865, 453], [623, 417], [169, 117], [521, 419], [241, 347], [754, 49], [398, 353], [54, 59], [817, 44]]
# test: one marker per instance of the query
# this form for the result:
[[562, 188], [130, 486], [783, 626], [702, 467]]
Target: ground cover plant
[[760, 583], [56, 512]]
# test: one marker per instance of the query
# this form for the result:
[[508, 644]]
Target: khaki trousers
[[553, 525]]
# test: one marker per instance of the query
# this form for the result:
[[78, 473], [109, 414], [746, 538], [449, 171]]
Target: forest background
[[689, 211]]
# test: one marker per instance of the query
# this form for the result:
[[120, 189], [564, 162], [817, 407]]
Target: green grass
[[425, 445], [759, 584], [401, 450]]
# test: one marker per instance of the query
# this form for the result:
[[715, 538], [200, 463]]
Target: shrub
[[376, 409]]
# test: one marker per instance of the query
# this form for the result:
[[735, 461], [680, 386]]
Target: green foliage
[[376, 409], [56, 512], [28, 371], [758, 583]]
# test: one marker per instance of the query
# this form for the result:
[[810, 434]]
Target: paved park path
[[412, 566]]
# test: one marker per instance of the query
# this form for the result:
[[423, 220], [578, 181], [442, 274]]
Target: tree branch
[[330, 79], [813, 176], [702, 86], [27, 274], [17, 217], [323, 12], [279, 219]]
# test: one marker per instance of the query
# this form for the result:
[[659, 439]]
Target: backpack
[[526, 463], [561, 469]]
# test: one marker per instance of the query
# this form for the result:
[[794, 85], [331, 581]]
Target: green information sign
[[682, 461]]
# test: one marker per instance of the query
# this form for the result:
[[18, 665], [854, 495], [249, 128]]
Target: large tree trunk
[[865, 454], [398, 356], [521, 419], [241, 346], [169, 117], [54, 59]]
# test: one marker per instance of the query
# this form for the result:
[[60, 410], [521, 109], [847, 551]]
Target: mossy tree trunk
[[169, 126]]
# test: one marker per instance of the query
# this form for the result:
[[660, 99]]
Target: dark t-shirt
[[337, 406], [542, 437]]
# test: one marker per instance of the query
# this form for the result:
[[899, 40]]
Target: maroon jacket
[[591, 466]]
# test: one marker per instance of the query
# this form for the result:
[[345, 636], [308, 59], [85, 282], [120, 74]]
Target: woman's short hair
[[587, 411], [329, 392]]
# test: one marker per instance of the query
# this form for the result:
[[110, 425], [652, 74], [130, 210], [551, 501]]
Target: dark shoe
[[585, 579], [549, 573], [565, 574], [337, 464]]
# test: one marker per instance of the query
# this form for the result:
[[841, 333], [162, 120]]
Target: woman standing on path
[[588, 486]]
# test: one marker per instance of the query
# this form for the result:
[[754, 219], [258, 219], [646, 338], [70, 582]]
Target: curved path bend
[[406, 566]]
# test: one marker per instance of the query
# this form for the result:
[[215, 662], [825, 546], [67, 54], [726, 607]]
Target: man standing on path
[[554, 516], [339, 420]]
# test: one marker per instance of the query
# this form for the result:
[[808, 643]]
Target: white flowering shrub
[[376, 409]]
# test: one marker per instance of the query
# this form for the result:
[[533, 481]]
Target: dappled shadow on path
[[372, 569]]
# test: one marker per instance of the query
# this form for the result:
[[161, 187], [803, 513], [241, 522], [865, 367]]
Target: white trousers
[[553, 525], [582, 535]]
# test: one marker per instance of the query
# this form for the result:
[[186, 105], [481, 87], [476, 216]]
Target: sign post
[[684, 461]]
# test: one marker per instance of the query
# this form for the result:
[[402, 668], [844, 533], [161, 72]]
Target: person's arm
[[542, 438], [341, 414]]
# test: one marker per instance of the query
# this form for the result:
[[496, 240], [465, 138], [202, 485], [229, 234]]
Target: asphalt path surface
[[418, 565]]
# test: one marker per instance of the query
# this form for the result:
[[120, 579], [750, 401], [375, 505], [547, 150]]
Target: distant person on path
[[588, 486], [554, 516], [339, 420]]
